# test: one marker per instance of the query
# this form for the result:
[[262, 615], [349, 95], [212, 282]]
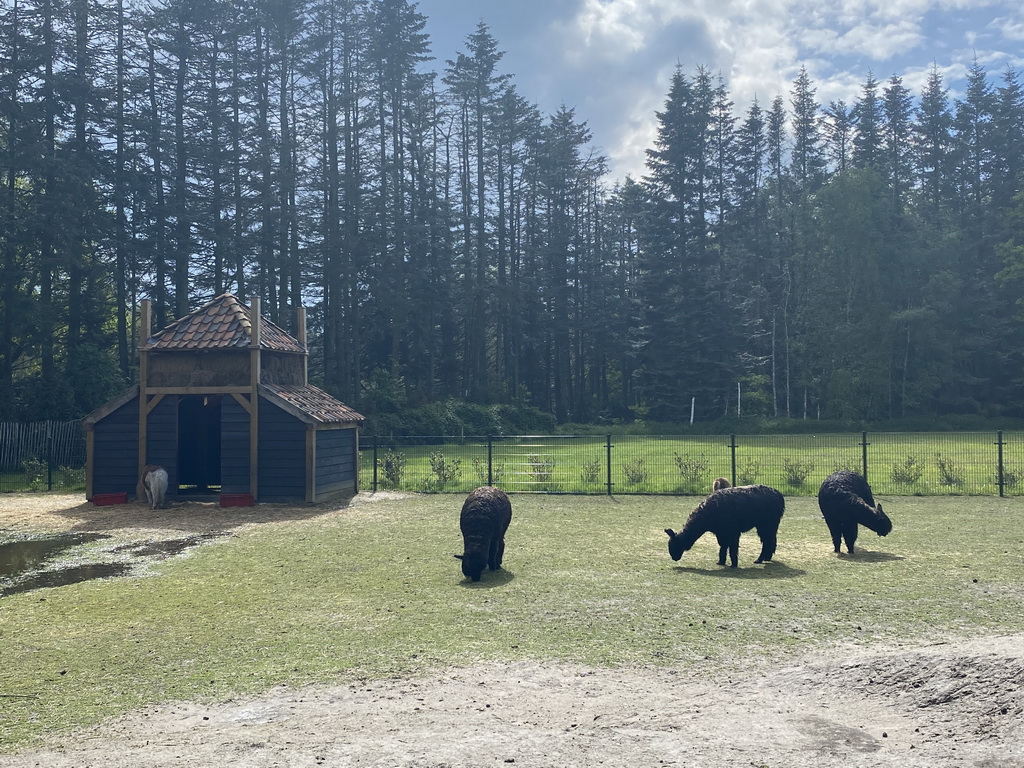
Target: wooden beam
[[90, 461], [254, 412], [310, 463], [242, 402], [300, 322], [145, 331], [198, 390]]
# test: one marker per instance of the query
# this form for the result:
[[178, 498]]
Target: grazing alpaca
[[845, 501], [719, 484], [485, 517], [728, 513], [154, 485]]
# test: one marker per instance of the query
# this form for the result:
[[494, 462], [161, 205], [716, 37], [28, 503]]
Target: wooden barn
[[224, 404]]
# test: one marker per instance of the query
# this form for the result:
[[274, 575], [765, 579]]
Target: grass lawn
[[372, 590]]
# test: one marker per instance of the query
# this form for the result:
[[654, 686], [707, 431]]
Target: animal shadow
[[773, 569], [867, 556], [489, 580]]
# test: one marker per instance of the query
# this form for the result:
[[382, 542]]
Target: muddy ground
[[959, 703]]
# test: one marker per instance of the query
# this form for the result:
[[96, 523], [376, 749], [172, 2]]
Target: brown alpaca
[[719, 484]]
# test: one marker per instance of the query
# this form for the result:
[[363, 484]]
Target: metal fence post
[[375, 464], [490, 461], [608, 463], [732, 450], [999, 464], [49, 459], [864, 452]]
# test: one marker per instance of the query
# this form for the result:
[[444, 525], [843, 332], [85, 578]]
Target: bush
[[541, 467], [693, 469], [635, 471], [444, 470], [906, 472], [950, 472], [480, 470], [392, 465], [591, 471], [1012, 476], [35, 472], [748, 473], [797, 472]]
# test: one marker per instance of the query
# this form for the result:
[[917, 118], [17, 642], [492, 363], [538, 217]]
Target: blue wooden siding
[[282, 463], [335, 461], [234, 446], [115, 458]]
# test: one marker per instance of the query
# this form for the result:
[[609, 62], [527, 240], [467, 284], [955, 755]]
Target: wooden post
[[300, 332], [254, 399], [145, 331]]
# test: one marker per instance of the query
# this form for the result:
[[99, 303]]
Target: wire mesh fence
[[42, 456], [927, 463]]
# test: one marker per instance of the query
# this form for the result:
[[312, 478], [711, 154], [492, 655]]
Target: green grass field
[[928, 463], [372, 590]]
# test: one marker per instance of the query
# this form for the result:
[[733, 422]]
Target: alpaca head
[[721, 483], [884, 523], [473, 564], [677, 544]]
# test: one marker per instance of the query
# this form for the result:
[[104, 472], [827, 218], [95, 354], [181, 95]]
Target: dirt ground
[[951, 704]]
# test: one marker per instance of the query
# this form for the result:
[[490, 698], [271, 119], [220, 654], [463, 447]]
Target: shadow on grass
[[772, 570], [867, 556], [190, 517], [489, 580]]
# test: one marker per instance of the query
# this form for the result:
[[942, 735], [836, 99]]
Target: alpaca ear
[[457, 557], [670, 532], [878, 508]]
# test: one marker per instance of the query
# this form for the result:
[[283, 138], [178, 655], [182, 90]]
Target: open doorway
[[198, 444]]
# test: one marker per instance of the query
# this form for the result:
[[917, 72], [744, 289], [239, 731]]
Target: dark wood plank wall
[[234, 446], [115, 463], [335, 461], [282, 462], [162, 440]]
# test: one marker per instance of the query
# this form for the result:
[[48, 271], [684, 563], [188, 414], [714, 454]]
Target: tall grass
[[372, 590]]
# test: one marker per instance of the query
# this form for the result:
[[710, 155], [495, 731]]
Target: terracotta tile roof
[[223, 323], [314, 402]]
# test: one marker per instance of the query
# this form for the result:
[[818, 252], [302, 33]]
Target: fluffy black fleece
[[729, 512], [845, 501], [485, 517]]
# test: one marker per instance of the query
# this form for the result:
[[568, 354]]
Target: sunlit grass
[[927, 463], [372, 590]]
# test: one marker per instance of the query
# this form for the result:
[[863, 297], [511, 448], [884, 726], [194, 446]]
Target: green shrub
[[693, 469], [541, 467], [392, 466], [635, 471], [950, 472], [444, 470], [907, 472], [591, 471], [797, 472], [748, 473]]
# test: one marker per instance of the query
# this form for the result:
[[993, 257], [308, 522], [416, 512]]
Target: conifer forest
[[836, 260]]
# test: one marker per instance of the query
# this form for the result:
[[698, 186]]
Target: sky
[[612, 60]]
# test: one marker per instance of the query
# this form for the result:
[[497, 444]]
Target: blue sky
[[611, 60]]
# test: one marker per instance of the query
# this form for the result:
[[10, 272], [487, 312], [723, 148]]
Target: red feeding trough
[[109, 499], [236, 500]]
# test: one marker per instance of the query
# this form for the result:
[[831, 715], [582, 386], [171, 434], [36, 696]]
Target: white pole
[[693, 402], [738, 399]]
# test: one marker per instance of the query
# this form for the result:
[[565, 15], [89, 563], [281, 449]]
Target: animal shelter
[[224, 404]]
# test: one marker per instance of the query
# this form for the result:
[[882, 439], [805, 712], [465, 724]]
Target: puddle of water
[[67, 576], [165, 549], [18, 557]]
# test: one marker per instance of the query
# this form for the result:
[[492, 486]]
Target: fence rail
[[42, 455], [924, 463]]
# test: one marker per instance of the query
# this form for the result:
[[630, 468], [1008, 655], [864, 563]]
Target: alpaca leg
[[769, 541], [734, 553], [723, 548], [501, 551], [850, 536], [836, 530]]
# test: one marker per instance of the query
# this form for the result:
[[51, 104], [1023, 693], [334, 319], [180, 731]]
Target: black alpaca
[[485, 517], [845, 501], [729, 512]]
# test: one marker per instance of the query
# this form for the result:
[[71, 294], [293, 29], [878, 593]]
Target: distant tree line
[[857, 261]]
